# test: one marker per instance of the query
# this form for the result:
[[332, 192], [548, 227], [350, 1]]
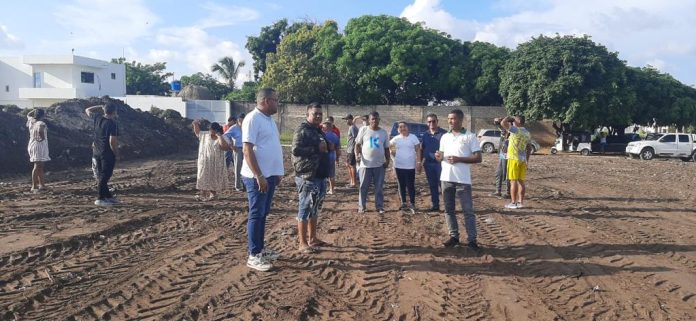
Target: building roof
[[64, 60]]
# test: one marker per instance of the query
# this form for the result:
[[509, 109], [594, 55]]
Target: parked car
[[615, 143], [578, 141], [417, 129], [489, 139], [681, 145]]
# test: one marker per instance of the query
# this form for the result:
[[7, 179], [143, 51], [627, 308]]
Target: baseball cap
[[349, 116]]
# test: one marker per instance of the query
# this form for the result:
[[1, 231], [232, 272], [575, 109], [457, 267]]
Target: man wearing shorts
[[350, 149], [519, 149]]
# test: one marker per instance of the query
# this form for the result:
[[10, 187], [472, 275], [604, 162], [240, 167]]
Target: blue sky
[[191, 35]]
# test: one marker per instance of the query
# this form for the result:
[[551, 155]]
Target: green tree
[[662, 97], [266, 42], [568, 79], [228, 69], [303, 69], [483, 65], [389, 60], [216, 88], [143, 79], [246, 93]]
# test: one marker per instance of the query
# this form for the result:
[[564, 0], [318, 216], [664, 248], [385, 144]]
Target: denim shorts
[[311, 194]]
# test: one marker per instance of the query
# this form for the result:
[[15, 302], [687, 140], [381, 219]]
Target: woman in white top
[[212, 170], [38, 148], [405, 146]]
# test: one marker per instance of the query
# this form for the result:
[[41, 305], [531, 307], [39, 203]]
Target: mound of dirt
[[70, 134]]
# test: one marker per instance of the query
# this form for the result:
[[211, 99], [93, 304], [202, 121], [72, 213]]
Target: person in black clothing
[[105, 148], [310, 160]]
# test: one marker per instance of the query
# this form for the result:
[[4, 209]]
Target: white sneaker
[[259, 263], [103, 203], [113, 200], [270, 255], [519, 205], [511, 206]]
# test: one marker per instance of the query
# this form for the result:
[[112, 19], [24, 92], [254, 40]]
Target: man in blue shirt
[[431, 144], [234, 137]]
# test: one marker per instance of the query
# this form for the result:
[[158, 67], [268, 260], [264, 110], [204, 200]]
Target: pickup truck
[[673, 145]]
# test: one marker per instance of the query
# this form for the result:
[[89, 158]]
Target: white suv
[[490, 138]]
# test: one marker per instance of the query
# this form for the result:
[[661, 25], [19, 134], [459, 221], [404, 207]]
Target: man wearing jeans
[[261, 172], [310, 160], [458, 149], [433, 168], [104, 148], [372, 150]]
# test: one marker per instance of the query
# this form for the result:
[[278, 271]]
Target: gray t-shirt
[[373, 143], [352, 134]]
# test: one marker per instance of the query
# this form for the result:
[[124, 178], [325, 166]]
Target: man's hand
[[279, 179], [263, 184], [452, 159], [323, 148], [419, 167], [386, 164], [438, 156]]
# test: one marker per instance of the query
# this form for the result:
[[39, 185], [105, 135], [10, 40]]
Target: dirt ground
[[602, 238]]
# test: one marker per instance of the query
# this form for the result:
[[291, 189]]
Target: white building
[[39, 81]]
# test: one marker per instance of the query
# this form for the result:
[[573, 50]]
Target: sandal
[[308, 250]]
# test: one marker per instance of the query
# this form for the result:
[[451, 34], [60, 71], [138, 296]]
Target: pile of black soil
[[70, 135]]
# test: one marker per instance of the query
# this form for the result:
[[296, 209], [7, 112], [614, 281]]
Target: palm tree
[[228, 70]]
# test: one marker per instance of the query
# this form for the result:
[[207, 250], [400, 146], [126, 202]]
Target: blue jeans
[[371, 175], [432, 172], [311, 193], [452, 191], [259, 207]]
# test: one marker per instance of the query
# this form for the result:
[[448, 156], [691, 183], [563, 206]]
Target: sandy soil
[[602, 238]]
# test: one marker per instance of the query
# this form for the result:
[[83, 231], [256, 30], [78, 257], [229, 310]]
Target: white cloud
[[430, 12], [198, 50], [642, 31], [100, 22], [8, 40], [221, 16]]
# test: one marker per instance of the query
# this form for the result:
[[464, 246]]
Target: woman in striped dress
[[212, 170], [38, 148]]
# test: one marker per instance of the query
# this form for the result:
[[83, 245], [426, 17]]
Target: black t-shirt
[[324, 162], [103, 129]]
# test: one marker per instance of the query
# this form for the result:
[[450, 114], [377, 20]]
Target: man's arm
[[113, 142], [250, 159], [529, 149], [299, 149], [196, 127], [91, 110], [32, 113], [224, 146]]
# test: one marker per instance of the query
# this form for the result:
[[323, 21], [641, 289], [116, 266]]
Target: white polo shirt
[[261, 130], [461, 145]]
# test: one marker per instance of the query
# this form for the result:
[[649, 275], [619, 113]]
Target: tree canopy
[[216, 88], [144, 79], [228, 69]]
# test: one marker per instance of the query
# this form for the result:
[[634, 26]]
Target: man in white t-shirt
[[458, 149], [261, 172], [404, 148], [372, 150]]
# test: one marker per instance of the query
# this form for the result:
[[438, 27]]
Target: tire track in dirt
[[87, 271]]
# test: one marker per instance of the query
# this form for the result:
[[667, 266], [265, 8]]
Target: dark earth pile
[[70, 132]]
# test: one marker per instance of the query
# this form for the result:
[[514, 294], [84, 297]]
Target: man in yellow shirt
[[518, 152]]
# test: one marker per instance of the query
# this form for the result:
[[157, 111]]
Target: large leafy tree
[[483, 64], [303, 69], [661, 97], [228, 69], [568, 79], [217, 89], [266, 42], [389, 60], [144, 79]]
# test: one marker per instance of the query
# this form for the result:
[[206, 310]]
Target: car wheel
[[554, 151], [685, 159], [585, 152], [488, 148], [647, 153]]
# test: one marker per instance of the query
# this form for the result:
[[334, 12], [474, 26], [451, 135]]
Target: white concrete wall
[[14, 75], [145, 102], [212, 110]]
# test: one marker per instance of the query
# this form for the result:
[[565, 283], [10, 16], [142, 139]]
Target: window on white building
[[38, 80], [113, 75], [87, 77]]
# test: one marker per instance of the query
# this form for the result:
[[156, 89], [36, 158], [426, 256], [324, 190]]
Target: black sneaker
[[474, 246], [434, 209], [452, 242]]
